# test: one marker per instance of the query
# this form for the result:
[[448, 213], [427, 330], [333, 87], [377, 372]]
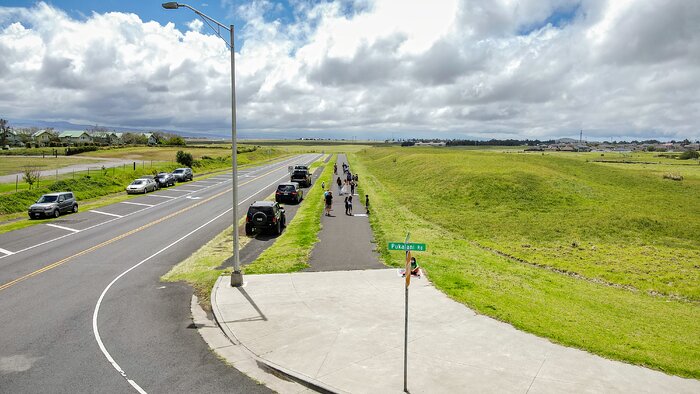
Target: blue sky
[[458, 68]]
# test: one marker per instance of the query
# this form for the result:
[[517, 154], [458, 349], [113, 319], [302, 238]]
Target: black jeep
[[265, 215]]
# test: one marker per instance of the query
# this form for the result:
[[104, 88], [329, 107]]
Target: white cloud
[[614, 69]]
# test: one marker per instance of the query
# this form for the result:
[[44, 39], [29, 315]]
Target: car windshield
[[299, 173], [178, 171], [285, 188], [138, 182], [45, 199]]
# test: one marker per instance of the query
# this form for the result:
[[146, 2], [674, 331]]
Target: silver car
[[53, 204], [141, 185]]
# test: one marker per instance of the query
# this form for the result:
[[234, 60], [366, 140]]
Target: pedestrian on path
[[340, 184], [349, 205], [345, 189], [367, 203], [335, 168], [323, 185], [352, 188], [329, 202], [346, 205], [356, 178]]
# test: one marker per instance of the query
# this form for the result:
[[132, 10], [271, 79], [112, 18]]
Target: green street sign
[[408, 246]]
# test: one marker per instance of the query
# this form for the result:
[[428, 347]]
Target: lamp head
[[171, 5]]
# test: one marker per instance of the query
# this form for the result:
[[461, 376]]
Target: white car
[[141, 185]]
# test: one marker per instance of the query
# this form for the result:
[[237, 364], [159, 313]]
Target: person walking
[[346, 189], [340, 184], [346, 205], [352, 188], [335, 168], [323, 185], [349, 208], [329, 202], [367, 203]]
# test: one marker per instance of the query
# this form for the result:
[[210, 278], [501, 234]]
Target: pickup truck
[[301, 176]]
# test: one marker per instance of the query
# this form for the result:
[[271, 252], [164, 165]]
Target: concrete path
[[345, 241], [344, 330], [107, 163]]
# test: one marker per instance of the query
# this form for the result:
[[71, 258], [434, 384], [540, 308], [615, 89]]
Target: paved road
[[82, 306], [345, 242]]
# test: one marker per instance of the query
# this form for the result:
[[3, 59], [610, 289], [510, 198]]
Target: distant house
[[118, 138], [42, 137], [152, 139], [104, 137], [74, 137], [13, 139]]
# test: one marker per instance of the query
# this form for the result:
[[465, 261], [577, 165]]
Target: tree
[[4, 129], [184, 158], [30, 175], [689, 154]]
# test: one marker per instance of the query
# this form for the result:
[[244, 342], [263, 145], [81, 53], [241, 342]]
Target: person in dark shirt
[[329, 202]]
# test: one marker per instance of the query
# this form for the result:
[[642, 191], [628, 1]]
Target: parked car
[[183, 174], [164, 179], [301, 167], [301, 176], [152, 178], [289, 191], [265, 215], [53, 204], [141, 185]]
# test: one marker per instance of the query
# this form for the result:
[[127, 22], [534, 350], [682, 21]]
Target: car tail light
[[294, 193], [247, 219], [274, 219], [278, 192]]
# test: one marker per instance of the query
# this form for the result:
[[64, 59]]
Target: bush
[[184, 158], [80, 149], [689, 154]]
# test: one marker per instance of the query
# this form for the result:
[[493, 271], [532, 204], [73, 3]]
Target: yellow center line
[[124, 235]]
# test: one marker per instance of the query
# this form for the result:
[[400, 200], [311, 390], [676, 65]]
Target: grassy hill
[[602, 256]]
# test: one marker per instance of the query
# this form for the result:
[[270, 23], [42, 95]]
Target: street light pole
[[236, 275]]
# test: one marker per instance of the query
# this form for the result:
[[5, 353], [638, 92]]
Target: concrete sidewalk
[[344, 331]]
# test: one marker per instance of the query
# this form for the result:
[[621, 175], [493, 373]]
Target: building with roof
[[74, 137], [43, 137]]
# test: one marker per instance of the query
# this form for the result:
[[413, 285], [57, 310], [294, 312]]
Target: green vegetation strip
[[292, 249], [455, 200], [289, 252]]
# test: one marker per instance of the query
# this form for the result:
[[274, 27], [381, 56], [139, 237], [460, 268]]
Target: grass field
[[16, 164], [162, 153], [601, 256]]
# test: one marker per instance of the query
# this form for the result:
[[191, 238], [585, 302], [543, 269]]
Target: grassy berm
[[603, 257]]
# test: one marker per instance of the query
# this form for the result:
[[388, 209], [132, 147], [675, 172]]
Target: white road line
[[63, 228], [106, 213], [359, 214], [96, 331], [7, 252], [187, 190], [173, 190], [162, 196], [136, 203]]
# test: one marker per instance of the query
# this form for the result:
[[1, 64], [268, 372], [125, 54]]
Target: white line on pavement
[[160, 195], [106, 213], [96, 331], [63, 228], [136, 203], [186, 190], [7, 252]]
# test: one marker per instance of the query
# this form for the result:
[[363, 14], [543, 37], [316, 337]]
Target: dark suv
[[289, 191], [164, 179], [265, 215], [303, 177], [53, 204]]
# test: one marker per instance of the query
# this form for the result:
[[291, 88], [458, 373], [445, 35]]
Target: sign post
[[408, 247]]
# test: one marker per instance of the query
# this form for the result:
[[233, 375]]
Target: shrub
[[674, 177], [80, 149], [184, 158], [689, 154]]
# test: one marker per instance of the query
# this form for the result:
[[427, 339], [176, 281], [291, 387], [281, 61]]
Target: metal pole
[[236, 275], [407, 273]]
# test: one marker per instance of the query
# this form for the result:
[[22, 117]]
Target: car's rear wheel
[[56, 213], [75, 208]]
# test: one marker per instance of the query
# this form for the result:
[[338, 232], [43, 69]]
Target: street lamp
[[236, 275]]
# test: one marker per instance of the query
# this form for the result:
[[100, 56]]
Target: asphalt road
[[83, 309]]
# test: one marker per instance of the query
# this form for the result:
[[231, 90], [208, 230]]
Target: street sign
[[406, 246]]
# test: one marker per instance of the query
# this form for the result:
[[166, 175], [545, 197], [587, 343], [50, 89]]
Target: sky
[[537, 69]]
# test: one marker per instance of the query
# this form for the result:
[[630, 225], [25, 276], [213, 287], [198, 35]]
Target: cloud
[[499, 68]]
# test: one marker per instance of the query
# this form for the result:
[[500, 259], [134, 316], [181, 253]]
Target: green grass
[[602, 227], [17, 164], [201, 269], [292, 249]]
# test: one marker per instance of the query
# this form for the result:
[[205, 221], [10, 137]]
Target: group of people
[[345, 187]]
